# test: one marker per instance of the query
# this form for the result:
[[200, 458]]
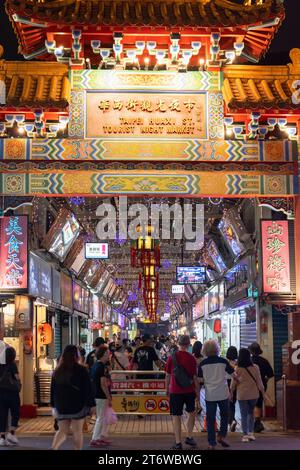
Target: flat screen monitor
[[191, 274]]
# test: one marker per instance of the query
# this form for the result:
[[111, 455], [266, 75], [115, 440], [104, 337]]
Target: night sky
[[287, 38]]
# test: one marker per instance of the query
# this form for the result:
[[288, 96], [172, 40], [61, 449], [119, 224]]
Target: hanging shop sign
[[95, 325], [213, 299], [23, 312], [62, 234], [121, 321], [232, 228], [66, 291], [96, 250], [216, 256], [13, 253], [236, 284], [77, 297], [56, 295], [96, 306], [144, 404], [86, 300], [137, 114], [199, 309], [40, 277], [178, 289], [276, 256], [45, 333]]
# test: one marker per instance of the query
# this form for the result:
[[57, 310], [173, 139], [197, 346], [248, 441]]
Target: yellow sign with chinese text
[[136, 114], [145, 404]]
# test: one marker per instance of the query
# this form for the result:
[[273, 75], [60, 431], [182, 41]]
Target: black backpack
[[183, 379]]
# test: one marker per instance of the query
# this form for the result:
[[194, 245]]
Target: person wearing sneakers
[[213, 372], [9, 398], [101, 384], [183, 386], [266, 373], [248, 385]]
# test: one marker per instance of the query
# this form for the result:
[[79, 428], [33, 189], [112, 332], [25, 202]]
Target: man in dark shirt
[[266, 373], [91, 357], [145, 356]]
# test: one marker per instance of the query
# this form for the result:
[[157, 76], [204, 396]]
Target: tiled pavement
[[126, 425], [265, 441]]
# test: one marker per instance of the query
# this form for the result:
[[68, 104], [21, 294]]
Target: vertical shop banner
[[13, 253], [276, 256]]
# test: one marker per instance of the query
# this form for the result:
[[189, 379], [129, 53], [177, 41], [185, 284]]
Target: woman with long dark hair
[[196, 351], [71, 397], [248, 384], [10, 386]]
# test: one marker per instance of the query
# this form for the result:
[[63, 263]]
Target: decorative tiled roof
[[256, 87], [149, 12], [30, 84]]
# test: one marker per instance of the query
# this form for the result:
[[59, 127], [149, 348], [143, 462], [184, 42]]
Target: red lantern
[[45, 333], [217, 326]]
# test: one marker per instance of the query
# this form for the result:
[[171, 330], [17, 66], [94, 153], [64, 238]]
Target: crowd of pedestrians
[[81, 388]]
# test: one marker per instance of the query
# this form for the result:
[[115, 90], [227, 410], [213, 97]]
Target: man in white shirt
[[213, 373]]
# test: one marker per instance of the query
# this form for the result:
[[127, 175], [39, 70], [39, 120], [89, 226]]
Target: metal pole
[[284, 381]]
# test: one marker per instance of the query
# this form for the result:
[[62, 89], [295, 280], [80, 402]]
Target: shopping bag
[[110, 416]]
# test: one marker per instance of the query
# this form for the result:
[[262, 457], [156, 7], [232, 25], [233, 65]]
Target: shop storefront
[[81, 334], [67, 308], [239, 318]]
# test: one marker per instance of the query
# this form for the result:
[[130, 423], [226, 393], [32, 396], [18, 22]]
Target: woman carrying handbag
[[247, 384]]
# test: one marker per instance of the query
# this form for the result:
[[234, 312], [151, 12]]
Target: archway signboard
[[137, 132]]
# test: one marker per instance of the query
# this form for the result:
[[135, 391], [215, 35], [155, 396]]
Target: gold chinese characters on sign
[[163, 115]]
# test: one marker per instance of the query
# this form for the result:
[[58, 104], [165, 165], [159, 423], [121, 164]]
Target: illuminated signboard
[[96, 250], [140, 114], [13, 253], [40, 277], [216, 257], [213, 299], [177, 289], [191, 274], [276, 256], [199, 309]]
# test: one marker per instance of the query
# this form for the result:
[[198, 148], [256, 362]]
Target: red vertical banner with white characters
[[13, 253], [276, 257]]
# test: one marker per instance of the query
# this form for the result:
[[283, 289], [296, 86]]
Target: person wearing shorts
[[181, 398]]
